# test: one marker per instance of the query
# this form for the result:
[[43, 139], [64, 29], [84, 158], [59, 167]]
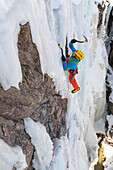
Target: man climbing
[[71, 64]]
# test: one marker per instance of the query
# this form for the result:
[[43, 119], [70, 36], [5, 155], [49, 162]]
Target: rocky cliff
[[109, 46], [36, 99]]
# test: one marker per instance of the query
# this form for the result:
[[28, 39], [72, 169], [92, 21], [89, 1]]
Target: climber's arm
[[72, 46]]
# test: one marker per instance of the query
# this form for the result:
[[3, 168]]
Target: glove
[[73, 41], [63, 58]]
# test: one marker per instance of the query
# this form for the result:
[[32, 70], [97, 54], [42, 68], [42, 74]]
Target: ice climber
[[71, 64]]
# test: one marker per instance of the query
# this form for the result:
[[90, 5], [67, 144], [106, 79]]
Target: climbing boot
[[75, 90]]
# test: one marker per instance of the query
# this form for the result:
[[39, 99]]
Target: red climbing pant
[[72, 79]]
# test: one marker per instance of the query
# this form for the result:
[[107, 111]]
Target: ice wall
[[51, 22], [11, 157]]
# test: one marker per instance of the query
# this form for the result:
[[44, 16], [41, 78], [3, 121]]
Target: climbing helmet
[[79, 55]]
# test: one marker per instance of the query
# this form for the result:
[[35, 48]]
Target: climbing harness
[[57, 124]]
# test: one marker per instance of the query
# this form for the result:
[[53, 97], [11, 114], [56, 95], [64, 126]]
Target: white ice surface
[[42, 142], [108, 152], [51, 22], [11, 156]]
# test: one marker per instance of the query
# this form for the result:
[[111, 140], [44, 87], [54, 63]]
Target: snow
[[76, 2], [41, 140], [51, 22], [111, 2], [61, 158], [108, 152], [11, 156], [57, 4], [100, 126], [110, 123], [110, 74]]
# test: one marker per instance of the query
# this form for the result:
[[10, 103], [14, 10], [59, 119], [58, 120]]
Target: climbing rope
[[57, 123]]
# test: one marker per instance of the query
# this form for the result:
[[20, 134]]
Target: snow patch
[[108, 152], [42, 142], [11, 156], [83, 107], [100, 126]]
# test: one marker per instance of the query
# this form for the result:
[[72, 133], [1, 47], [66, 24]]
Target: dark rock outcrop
[[36, 99], [109, 45], [101, 8], [110, 37]]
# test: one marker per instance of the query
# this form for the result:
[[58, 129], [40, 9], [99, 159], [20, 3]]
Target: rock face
[[110, 36], [101, 8], [109, 45], [36, 99]]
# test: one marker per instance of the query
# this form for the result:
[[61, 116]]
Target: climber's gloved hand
[[73, 41], [63, 58]]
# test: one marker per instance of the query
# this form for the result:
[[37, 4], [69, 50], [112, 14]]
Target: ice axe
[[60, 48], [86, 40]]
